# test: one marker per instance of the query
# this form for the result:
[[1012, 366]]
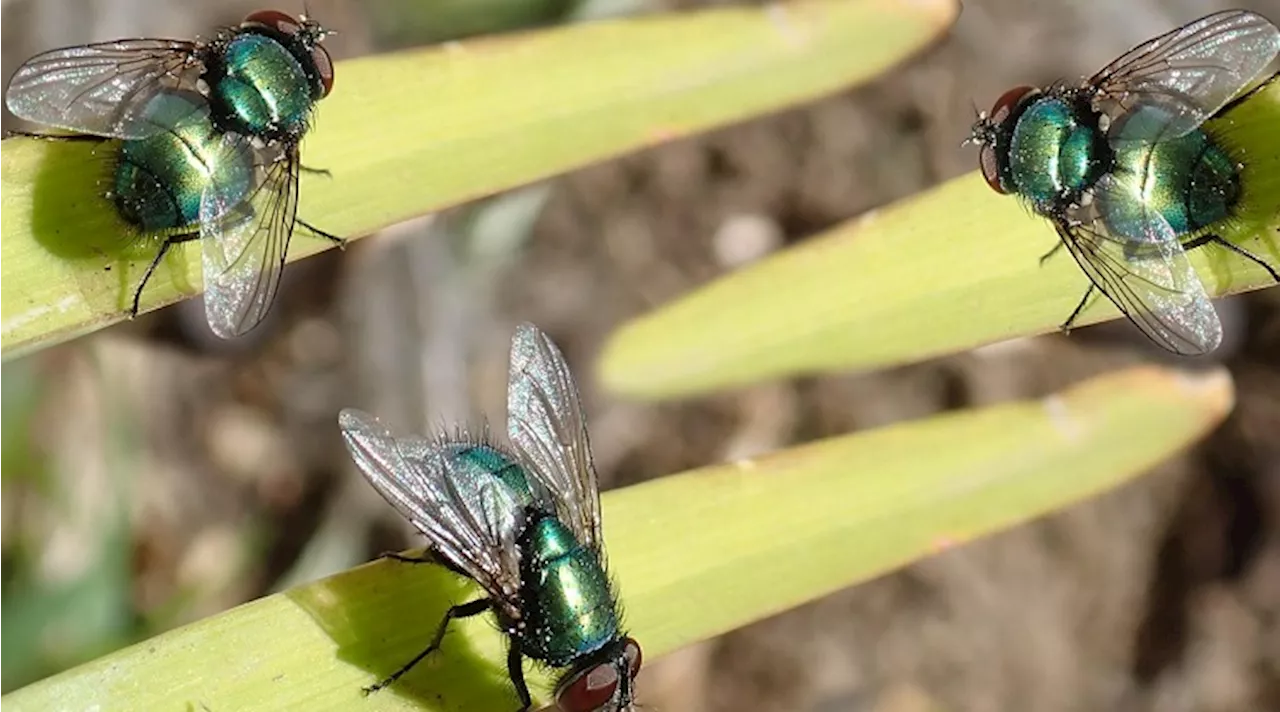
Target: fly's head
[[606, 683], [989, 133]]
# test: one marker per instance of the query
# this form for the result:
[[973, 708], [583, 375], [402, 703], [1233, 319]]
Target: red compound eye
[[324, 67], [1006, 104], [274, 19], [990, 166], [988, 159], [592, 690], [634, 658]]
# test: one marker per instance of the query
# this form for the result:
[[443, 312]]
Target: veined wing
[[104, 88], [245, 235], [1133, 256], [1191, 71], [471, 521], [546, 426]]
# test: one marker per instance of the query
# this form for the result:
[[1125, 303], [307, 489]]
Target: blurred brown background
[[154, 475]]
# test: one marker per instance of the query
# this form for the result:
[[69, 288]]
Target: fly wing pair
[[473, 523], [104, 89], [1158, 91]]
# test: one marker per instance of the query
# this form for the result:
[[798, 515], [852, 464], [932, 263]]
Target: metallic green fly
[[1123, 168], [522, 521], [209, 135]]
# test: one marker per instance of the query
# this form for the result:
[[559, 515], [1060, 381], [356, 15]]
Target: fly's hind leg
[[1215, 240], [1075, 313], [316, 171], [465, 610], [169, 241], [341, 242]]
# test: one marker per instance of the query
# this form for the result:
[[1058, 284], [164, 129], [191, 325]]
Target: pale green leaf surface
[[694, 555], [948, 270], [409, 133]]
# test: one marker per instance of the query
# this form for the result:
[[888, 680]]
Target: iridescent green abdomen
[[262, 88], [1053, 153], [1190, 181], [568, 605], [159, 180]]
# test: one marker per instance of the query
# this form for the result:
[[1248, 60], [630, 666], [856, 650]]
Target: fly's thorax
[[259, 86], [1056, 150], [265, 76], [159, 180], [568, 605], [1190, 182]]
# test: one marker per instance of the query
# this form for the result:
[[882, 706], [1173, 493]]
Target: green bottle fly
[[524, 523], [1124, 168], [209, 143]]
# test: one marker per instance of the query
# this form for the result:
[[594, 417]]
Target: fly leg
[[407, 559], [465, 610], [516, 672], [1045, 257], [424, 559], [164, 249], [316, 171], [1226, 109], [339, 241], [1066, 325], [1215, 240], [55, 136]]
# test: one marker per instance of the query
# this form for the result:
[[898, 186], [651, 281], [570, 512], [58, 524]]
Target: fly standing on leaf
[[208, 143], [523, 522], [1123, 168]]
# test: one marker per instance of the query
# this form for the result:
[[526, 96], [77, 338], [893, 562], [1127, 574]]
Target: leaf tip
[[1213, 387]]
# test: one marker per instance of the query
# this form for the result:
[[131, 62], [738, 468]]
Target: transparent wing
[[1192, 71], [101, 89], [245, 237], [545, 424], [471, 521], [1133, 256]]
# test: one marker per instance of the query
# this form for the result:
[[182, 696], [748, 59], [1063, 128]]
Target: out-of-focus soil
[[1164, 595]]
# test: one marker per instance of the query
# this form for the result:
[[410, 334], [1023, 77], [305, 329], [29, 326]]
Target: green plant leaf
[[410, 133], [941, 272], [694, 555]]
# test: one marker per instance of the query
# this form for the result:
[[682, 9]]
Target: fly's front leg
[[1045, 257], [515, 670]]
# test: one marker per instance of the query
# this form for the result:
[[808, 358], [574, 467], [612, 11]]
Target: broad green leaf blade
[[694, 555], [410, 133], [944, 271]]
